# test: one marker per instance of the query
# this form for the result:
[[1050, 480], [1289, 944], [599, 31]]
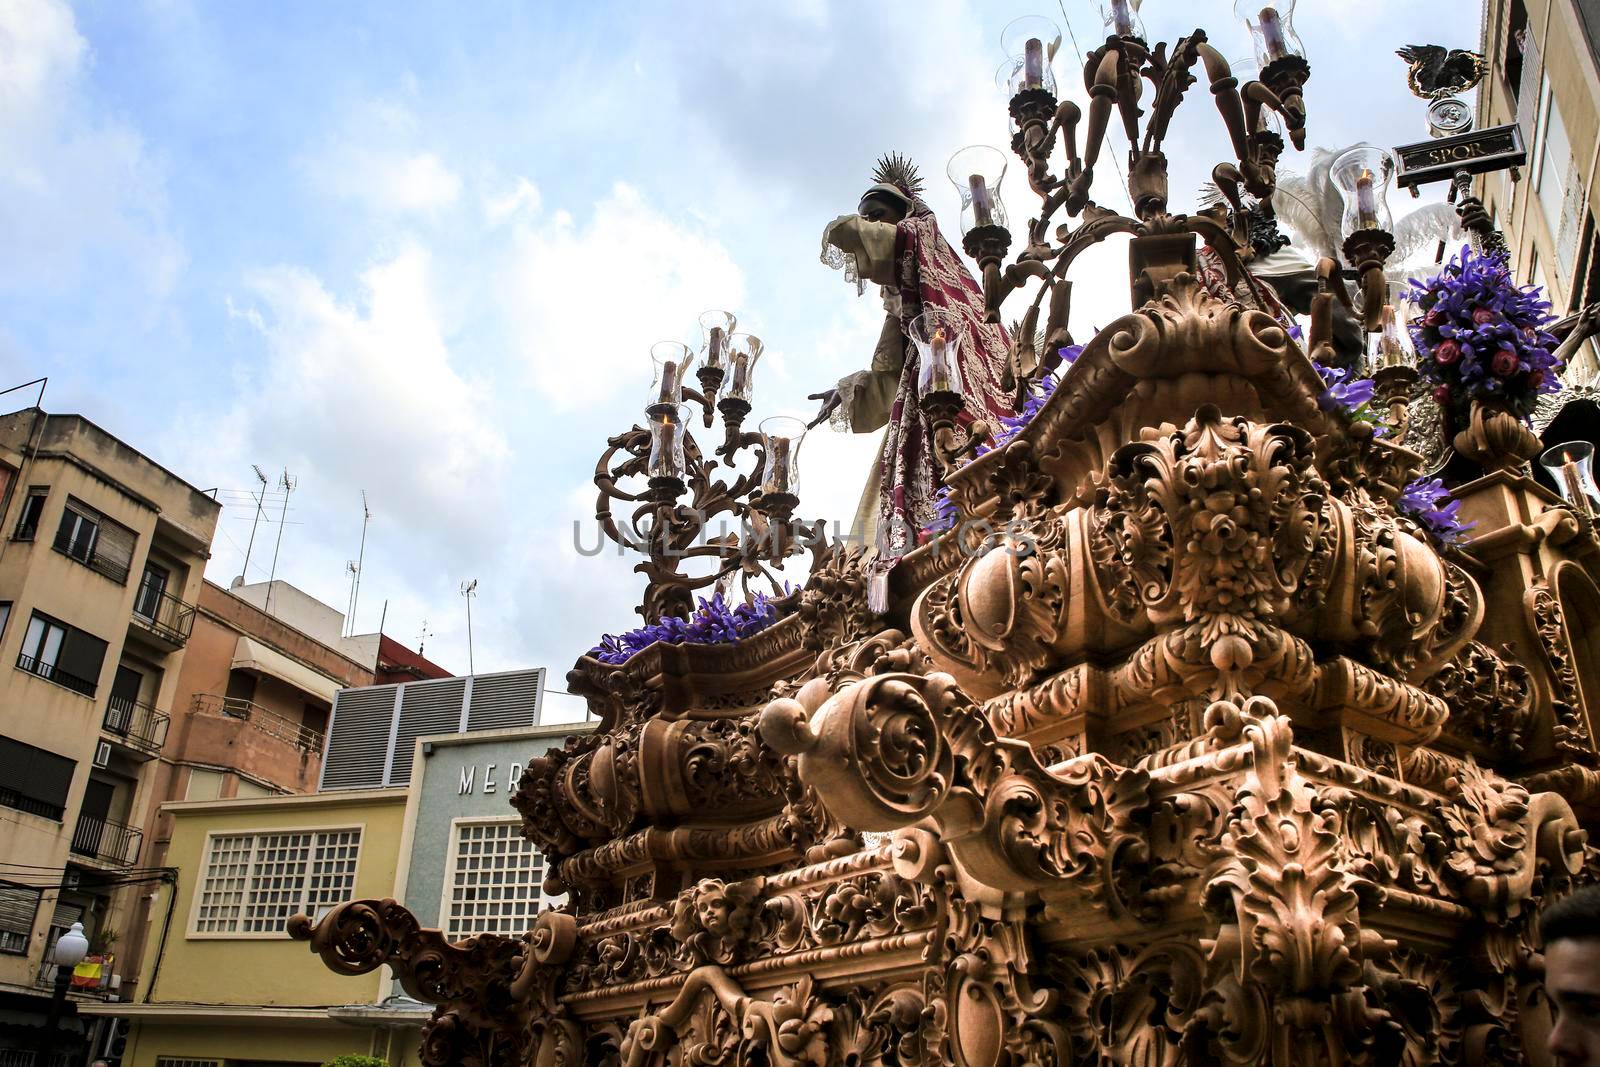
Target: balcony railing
[[137, 724], [94, 559], [18, 1057], [53, 673], [164, 615], [267, 721], [106, 840], [10, 798]]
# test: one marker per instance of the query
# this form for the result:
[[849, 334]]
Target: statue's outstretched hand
[[830, 403]]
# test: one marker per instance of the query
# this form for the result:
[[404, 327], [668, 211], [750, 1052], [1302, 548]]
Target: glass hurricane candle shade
[[667, 432], [782, 436], [715, 329], [1028, 43], [937, 336], [1572, 466], [1271, 26], [976, 172], [1121, 18], [672, 361], [745, 350], [1363, 175], [1389, 346]]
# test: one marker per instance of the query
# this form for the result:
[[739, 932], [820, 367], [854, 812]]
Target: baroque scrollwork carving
[[895, 749]]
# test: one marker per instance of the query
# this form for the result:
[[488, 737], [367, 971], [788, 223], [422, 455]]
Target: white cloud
[[386, 180], [76, 189], [587, 301], [523, 199]]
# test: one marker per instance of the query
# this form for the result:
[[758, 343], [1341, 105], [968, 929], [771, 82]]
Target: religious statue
[[894, 241]]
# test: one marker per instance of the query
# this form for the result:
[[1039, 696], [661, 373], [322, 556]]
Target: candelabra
[[759, 499], [1114, 75]]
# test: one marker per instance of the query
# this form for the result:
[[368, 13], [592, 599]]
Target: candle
[[1572, 475], [714, 348], [741, 376], [938, 363], [669, 382], [982, 206], [1272, 33], [1366, 202], [1033, 64], [777, 465], [1121, 18]]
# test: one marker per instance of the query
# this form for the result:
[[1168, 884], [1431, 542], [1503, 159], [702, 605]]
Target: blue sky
[[423, 249]]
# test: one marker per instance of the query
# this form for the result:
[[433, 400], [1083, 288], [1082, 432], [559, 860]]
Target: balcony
[[137, 725], [163, 617], [269, 722], [52, 673], [106, 841]]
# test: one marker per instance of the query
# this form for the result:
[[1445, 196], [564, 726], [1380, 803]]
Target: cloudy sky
[[422, 249]]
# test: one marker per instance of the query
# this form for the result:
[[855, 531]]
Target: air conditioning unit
[[71, 879], [102, 754]]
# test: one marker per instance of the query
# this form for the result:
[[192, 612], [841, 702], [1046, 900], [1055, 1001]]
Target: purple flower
[[1341, 393], [946, 514], [1039, 392], [1427, 501], [713, 622]]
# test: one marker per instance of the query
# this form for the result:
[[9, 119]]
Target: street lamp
[[70, 948]]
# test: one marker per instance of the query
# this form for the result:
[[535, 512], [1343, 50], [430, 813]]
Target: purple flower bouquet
[[714, 622], [1482, 337]]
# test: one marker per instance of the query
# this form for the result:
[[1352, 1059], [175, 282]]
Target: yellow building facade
[[222, 984]]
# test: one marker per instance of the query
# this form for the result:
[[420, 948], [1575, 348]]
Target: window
[[95, 541], [19, 905], [62, 654], [151, 588], [1511, 55], [32, 508], [494, 881], [33, 780], [254, 882], [80, 525], [5, 615]]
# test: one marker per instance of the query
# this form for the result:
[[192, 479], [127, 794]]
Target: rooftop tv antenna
[[287, 483], [352, 568], [422, 638], [361, 555], [469, 589], [260, 498]]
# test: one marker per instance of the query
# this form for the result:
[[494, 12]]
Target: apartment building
[[101, 564], [1544, 58], [222, 983]]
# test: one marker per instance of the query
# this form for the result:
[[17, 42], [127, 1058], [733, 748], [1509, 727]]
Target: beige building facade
[[101, 564], [1544, 58]]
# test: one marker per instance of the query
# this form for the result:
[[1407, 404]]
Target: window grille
[[495, 881], [254, 882]]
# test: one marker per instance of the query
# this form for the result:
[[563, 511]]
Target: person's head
[[882, 205], [1571, 932]]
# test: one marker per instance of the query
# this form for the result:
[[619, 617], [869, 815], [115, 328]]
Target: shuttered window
[[33, 780], [19, 905]]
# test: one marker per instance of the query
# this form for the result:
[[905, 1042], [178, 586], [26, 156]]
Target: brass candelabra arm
[[1367, 250]]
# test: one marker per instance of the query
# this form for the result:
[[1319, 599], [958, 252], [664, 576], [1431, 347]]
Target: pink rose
[[1504, 364], [1482, 317], [1446, 353], [1527, 331], [1441, 395], [1432, 318], [1535, 378]]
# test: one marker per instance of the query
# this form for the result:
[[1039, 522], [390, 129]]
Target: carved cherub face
[[712, 908]]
